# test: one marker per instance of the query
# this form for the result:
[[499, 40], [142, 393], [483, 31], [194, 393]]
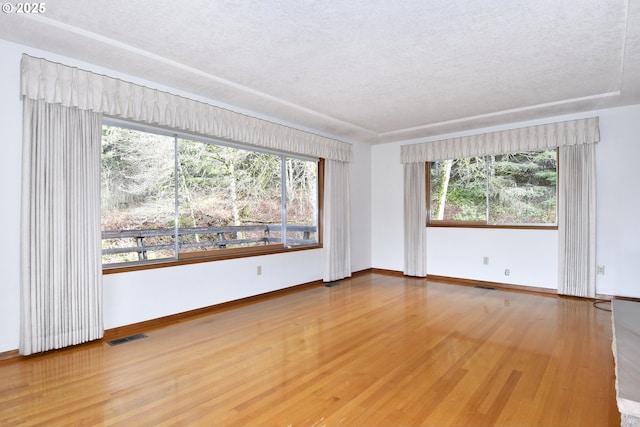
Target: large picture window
[[167, 196], [518, 189]]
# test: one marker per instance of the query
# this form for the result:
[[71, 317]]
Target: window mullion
[[487, 161], [283, 173], [176, 182]]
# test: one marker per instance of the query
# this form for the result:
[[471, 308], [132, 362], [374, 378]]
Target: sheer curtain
[[61, 272], [577, 221], [415, 220], [337, 222]]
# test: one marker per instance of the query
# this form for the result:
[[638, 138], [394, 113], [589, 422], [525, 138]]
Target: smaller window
[[518, 189]]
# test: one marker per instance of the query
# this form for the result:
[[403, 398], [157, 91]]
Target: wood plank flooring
[[375, 350]]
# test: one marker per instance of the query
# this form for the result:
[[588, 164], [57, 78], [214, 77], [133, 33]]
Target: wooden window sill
[[207, 256]]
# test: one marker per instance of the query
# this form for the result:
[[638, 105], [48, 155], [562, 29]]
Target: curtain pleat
[[415, 220], [336, 222], [540, 137], [69, 86], [577, 221], [61, 272]]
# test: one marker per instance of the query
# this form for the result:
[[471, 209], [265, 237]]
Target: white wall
[[11, 125], [148, 294], [618, 202], [360, 192], [529, 254], [387, 237], [515, 250]]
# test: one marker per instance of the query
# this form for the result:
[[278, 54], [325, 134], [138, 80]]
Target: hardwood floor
[[375, 350]]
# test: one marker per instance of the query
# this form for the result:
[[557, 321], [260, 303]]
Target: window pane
[[458, 190], [523, 188], [213, 197], [137, 192], [302, 202], [228, 197]]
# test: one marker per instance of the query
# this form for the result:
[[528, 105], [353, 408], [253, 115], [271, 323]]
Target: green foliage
[[217, 185], [518, 188], [136, 167]]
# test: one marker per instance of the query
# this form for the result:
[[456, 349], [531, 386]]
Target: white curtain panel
[[61, 272], [337, 221], [539, 137], [415, 220], [576, 140], [577, 221], [73, 87]]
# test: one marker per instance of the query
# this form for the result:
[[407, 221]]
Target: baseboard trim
[[498, 285], [360, 272], [8, 355], [611, 297], [140, 327], [386, 272], [468, 282], [136, 328]]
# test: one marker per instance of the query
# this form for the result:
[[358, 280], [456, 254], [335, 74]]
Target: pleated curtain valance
[[72, 87], [540, 137]]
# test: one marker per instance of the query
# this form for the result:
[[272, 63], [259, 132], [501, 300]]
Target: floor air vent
[[486, 287], [126, 339]]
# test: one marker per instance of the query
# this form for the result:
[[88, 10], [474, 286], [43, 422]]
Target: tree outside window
[[507, 189], [165, 197]]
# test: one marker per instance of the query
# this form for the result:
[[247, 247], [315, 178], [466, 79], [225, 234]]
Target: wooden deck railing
[[205, 237]]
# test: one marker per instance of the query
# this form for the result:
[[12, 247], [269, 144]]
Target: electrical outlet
[[485, 260], [507, 272], [259, 270], [600, 270]]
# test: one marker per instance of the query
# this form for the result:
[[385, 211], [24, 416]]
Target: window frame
[[228, 253], [485, 224]]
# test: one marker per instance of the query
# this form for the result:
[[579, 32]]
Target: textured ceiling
[[372, 71]]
